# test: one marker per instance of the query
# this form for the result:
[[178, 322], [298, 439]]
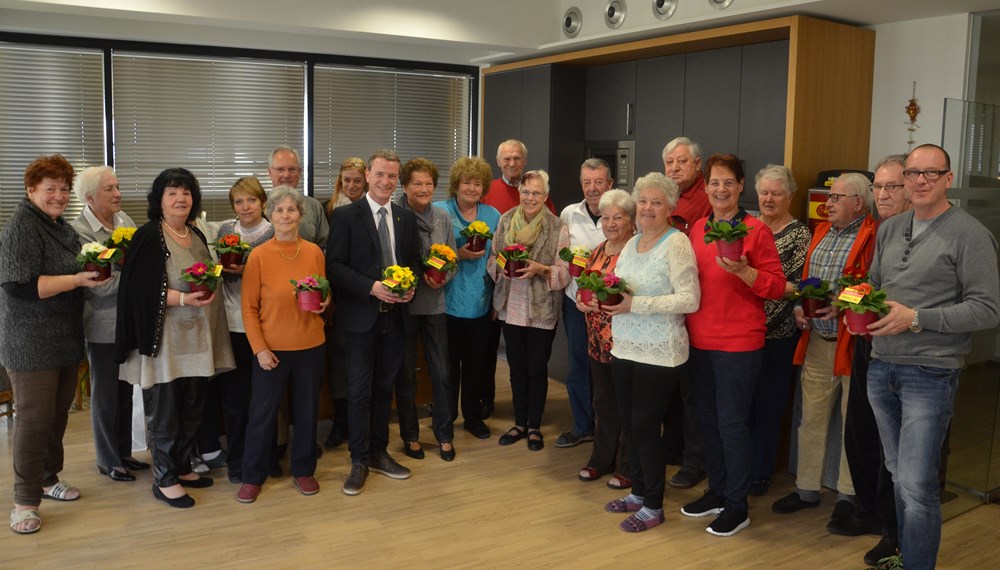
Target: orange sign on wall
[[817, 207]]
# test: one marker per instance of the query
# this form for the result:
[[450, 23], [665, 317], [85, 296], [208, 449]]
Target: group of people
[[693, 365]]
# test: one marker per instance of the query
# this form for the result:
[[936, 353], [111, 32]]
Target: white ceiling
[[447, 31]]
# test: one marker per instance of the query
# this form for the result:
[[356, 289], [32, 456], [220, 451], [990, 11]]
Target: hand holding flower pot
[[399, 280], [97, 257], [120, 239], [576, 257], [866, 305], [605, 287], [203, 276], [477, 234], [231, 249], [728, 237], [815, 295], [440, 261], [512, 259], [310, 292]]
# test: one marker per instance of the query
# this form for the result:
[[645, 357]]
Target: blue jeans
[[913, 406], [578, 385], [724, 384]]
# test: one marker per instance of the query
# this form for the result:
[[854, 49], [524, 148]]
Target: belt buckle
[[384, 307]]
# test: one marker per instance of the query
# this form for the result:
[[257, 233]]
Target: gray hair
[[619, 198], [89, 179], [532, 174], [657, 180], [595, 163], [692, 146], [899, 159], [861, 185], [512, 142], [777, 173], [284, 148], [285, 191]]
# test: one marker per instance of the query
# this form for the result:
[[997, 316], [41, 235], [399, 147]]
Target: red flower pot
[[476, 243], [810, 306], [435, 275], [310, 300], [730, 250], [513, 265], [231, 258], [858, 323], [195, 287], [575, 270], [586, 295], [121, 260], [611, 300], [103, 271]]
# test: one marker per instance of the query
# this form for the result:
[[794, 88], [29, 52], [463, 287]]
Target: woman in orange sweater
[[287, 343]]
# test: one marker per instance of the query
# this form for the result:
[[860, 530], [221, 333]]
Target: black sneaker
[[759, 488], [478, 429], [383, 463], [708, 504], [881, 551], [792, 503], [355, 482], [729, 522], [686, 478], [572, 439], [855, 525], [842, 511]]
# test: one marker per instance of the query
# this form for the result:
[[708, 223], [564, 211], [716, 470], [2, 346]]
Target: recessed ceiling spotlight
[[720, 4], [663, 9], [614, 13], [572, 21]]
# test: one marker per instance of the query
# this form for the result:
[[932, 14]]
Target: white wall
[[932, 52]]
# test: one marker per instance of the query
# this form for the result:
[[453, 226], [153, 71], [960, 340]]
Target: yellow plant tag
[[501, 260], [106, 254], [390, 282], [851, 295], [579, 260], [216, 271], [435, 262]]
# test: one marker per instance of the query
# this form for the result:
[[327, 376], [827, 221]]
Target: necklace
[[178, 234], [298, 248]]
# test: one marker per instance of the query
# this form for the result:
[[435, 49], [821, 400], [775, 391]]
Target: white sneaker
[[198, 466]]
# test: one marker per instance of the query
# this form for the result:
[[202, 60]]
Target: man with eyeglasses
[[825, 350], [938, 266], [876, 512], [285, 168]]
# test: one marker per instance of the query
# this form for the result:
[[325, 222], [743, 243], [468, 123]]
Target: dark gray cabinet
[[763, 99], [659, 109], [712, 99], [611, 101]]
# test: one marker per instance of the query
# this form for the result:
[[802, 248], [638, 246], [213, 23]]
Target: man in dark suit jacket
[[372, 317]]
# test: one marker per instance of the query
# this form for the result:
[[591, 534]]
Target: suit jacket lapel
[[397, 224], [369, 223]]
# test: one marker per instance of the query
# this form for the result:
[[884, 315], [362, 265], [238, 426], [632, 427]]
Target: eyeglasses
[[531, 194], [890, 188], [834, 198], [929, 175], [283, 170]]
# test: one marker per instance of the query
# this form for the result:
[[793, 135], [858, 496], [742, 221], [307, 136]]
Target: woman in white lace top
[[650, 342]]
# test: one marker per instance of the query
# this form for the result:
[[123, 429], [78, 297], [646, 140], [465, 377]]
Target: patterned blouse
[[599, 323], [792, 243]]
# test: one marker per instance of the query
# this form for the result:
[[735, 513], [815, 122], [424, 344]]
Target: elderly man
[[682, 164], [584, 222], [110, 399], [285, 168], [368, 236], [872, 482], [512, 156], [938, 266], [825, 350]]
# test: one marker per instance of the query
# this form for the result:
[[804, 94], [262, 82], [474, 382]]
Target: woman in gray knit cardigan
[[41, 333]]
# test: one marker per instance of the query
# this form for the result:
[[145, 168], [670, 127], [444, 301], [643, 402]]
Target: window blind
[[219, 118], [51, 102], [417, 114]]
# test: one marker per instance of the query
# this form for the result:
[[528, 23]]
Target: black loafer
[[116, 475], [448, 455], [478, 429], [512, 436], [535, 444], [133, 464], [414, 453], [199, 483], [184, 502]]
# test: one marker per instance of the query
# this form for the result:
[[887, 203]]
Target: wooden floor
[[493, 507]]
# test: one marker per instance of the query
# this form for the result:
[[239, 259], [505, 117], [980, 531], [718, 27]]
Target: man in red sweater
[[682, 164], [503, 195]]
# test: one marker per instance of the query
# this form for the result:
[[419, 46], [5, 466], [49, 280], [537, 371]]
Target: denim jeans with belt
[[913, 406]]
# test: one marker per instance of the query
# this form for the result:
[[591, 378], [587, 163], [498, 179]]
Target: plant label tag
[[851, 295], [435, 262], [216, 271], [502, 260], [106, 254], [579, 260], [390, 282]]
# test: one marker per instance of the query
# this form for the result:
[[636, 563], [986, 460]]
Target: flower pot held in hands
[[231, 258], [310, 300], [586, 295], [512, 267], [810, 306], [435, 275], [611, 300], [476, 243], [103, 271], [575, 270], [195, 287], [731, 250], [858, 323]]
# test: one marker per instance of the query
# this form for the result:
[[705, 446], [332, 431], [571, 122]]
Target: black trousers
[[300, 373], [491, 347], [432, 331], [110, 407], [609, 451], [468, 350], [173, 415], [227, 401], [373, 360], [863, 446], [643, 392], [528, 351]]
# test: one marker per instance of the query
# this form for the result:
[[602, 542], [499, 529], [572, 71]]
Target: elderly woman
[[230, 395], [618, 224], [529, 304], [110, 399], [351, 186], [650, 345], [469, 294], [727, 341], [41, 334], [775, 187], [287, 343], [419, 178], [171, 340]]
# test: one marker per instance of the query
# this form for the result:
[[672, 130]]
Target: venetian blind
[[51, 102], [219, 118], [417, 114]]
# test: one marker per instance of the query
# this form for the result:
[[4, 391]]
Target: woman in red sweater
[[288, 345], [727, 339]]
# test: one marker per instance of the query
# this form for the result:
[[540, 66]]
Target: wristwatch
[[915, 323]]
